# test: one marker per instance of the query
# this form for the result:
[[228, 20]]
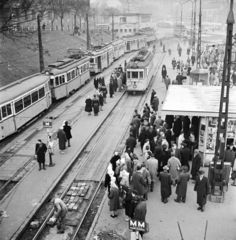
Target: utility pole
[[221, 137], [112, 26], [41, 60], [194, 27], [199, 41], [88, 38]]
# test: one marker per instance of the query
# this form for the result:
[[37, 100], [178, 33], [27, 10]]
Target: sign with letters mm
[[47, 123], [138, 225]]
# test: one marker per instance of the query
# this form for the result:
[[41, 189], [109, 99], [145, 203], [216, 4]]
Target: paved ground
[[163, 218]]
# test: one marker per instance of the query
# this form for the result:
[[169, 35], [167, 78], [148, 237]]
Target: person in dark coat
[[111, 88], [100, 98], [230, 154], [182, 184], [179, 78], [153, 118], [88, 105], [113, 160], [177, 128], [173, 63], [95, 83], [138, 181], [196, 164], [62, 139], [40, 151], [155, 103], [114, 199], [186, 124], [133, 130], [128, 197], [193, 59], [169, 120], [165, 180], [95, 104], [168, 135], [163, 72], [67, 130], [153, 93], [202, 188], [130, 142], [185, 154], [142, 137], [102, 81]]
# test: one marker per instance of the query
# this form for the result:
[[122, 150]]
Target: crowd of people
[[167, 147]]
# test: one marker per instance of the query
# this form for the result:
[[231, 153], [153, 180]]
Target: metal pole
[[88, 38], [112, 27], [194, 27], [199, 44], [41, 60], [181, 21]]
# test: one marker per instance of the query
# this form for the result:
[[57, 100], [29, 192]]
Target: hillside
[[20, 59]]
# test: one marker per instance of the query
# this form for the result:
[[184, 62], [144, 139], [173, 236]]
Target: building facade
[[130, 23]]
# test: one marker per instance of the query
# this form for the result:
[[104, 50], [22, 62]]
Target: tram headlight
[[134, 85]]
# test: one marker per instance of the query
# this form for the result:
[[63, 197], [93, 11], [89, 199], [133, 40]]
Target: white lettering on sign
[[137, 225]]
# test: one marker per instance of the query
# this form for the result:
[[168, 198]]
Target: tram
[[139, 71], [179, 30]]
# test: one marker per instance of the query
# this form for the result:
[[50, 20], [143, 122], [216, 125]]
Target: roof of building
[[197, 100], [22, 86], [132, 14]]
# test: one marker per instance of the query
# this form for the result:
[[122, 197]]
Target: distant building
[[130, 23]]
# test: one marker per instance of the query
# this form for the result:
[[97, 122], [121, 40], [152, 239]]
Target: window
[[92, 60], [51, 82], [134, 30], [130, 30], [87, 66], [125, 30], [63, 78], [27, 101], [18, 106], [9, 111], [4, 111], [121, 30], [77, 71], [128, 74], [68, 76], [73, 74], [123, 19], [56, 81], [41, 92], [141, 75], [134, 74], [34, 96], [0, 116]]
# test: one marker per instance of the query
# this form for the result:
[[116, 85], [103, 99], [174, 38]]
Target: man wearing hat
[[185, 154], [138, 181], [182, 184], [196, 164], [130, 142], [230, 154], [202, 189], [155, 103], [165, 180]]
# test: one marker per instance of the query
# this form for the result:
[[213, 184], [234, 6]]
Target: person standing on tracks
[[40, 151], [155, 103], [61, 135], [165, 180], [50, 151], [202, 188], [88, 105], [67, 130], [95, 104], [163, 72], [60, 214]]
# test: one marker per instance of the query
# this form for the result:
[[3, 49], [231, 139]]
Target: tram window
[[77, 71], [87, 66], [4, 111], [41, 92], [141, 75], [128, 74], [0, 116], [92, 60], [51, 82], [27, 101], [63, 78], [73, 74], [18, 106], [56, 81], [34, 96], [134, 74], [9, 111], [68, 76]]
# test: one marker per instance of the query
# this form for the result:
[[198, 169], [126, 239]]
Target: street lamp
[[181, 4], [193, 25]]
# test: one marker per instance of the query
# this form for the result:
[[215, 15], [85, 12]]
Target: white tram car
[[119, 48], [139, 71], [22, 101], [67, 75], [101, 57], [135, 42]]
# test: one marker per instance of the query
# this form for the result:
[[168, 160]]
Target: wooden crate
[[217, 198]]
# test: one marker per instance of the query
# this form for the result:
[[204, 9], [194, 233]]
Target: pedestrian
[[177, 128], [60, 211], [107, 182], [153, 93], [88, 105], [61, 139], [128, 197], [211, 79], [50, 151], [147, 180], [158, 122], [40, 151], [114, 199], [111, 88], [163, 72], [167, 82], [95, 83], [100, 98], [155, 103], [133, 130], [124, 177], [202, 188], [174, 167], [152, 166], [67, 130], [196, 164], [114, 159], [230, 154], [164, 48], [173, 63], [185, 154], [193, 59], [138, 181], [182, 184], [165, 180], [95, 105], [130, 142], [180, 51], [169, 50]]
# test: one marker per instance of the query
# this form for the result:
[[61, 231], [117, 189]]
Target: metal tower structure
[[199, 40], [224, 106]]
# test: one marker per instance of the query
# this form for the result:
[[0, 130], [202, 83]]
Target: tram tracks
[[100, 148]]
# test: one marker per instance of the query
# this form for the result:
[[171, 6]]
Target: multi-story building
[[130, 23]]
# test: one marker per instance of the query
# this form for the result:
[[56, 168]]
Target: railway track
[[6, 186], [83, 190]]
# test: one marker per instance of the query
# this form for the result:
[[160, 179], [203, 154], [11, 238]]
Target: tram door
[[99, 63], [128, 46]]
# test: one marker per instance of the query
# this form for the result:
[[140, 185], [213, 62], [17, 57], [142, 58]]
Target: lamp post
[[181, 4], [193, 24]]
